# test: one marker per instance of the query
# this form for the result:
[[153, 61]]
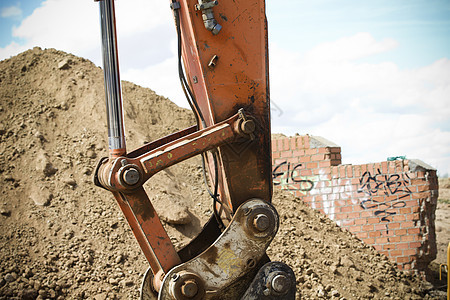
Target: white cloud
[[350, 48], [11, 12], [372, 110], [145, 32]]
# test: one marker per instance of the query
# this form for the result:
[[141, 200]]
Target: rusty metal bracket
[[125, 174], [232, 256]]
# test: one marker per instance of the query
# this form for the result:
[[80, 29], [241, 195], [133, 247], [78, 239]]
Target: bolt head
[[281, 284], [131, 176], [189, 289], [248, 126], [261, 222]]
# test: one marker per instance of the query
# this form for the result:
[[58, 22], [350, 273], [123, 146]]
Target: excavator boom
[[223, 70]]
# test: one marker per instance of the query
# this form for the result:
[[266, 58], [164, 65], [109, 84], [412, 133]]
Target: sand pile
[[63, 238]]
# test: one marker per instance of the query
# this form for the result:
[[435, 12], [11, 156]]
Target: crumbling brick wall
[[389, 205]]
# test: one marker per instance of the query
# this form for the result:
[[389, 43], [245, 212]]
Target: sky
[[370, 76]]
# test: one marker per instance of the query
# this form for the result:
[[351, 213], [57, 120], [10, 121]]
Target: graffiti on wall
[[287, 175], [384, 193]]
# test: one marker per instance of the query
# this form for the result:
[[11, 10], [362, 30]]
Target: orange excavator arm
[[223, 69]]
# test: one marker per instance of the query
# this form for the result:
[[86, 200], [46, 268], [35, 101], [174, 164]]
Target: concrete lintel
[[320, 142], [416, 165]]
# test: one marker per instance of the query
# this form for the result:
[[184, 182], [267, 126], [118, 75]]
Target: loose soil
[[63, 238]]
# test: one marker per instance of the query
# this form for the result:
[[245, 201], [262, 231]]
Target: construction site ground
[[61, 237]]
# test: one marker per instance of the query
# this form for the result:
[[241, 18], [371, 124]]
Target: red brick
[[394, 239], [357, 171], [341, 216], [418, 181], [324, 164], [389, 233], [380, 227], [353, 215], [422, 195], [394, 225], [367, 227], [305, 172], [286, 154], [346, 209], [324, 150], [298, 153], [293, 143], [377, 247], [304, 159], [335, 162], [355, 181], [400, 232], [349, 171], [414, 245], [356, 207], [382, 240], [362, 235], [389, 247], [374, 234], [391, 167], [407, 238], [279, 144], [403, 259], [349, 222], [410, 252], [306, 141], [355, 229], [311, 151], [312, 165], [396, 252], [403, 246], [317, 157], [279, 161], [399, 218], [414, 231], [414, 217], [361, 221], [407, 224], [405, 210], [292, 160], [342, 171], [276, 155], [334, 172], [367, 214], [335, 149], [423, 188], [318, 205], [369, 241], [385, 253], [286, 143]]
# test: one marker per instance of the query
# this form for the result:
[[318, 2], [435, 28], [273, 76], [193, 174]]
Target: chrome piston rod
[[113, 92]]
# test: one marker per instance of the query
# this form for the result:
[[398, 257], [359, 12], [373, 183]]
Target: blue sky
[[371, 76], [12, 13]]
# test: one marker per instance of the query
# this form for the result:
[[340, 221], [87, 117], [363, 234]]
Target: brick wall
[[389, 205]]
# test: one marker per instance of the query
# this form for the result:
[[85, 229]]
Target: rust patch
[[211, 255]]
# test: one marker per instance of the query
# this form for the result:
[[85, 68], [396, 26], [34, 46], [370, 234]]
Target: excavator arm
[[223, 70]]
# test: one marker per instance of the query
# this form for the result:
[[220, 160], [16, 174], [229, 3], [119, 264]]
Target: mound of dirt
[[63, 238]]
